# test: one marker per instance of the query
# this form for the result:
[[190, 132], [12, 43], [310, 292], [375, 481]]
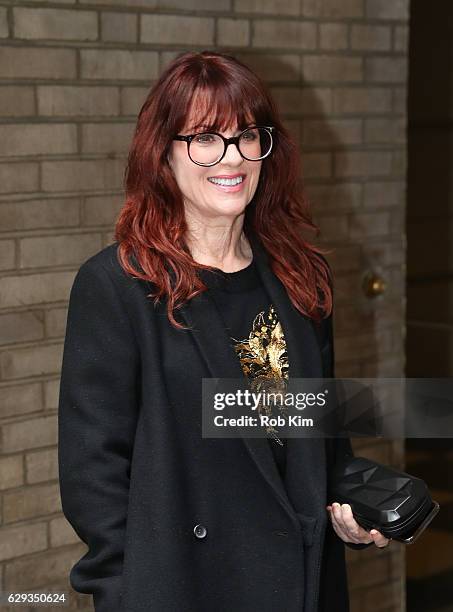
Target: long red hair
[[151, 226]]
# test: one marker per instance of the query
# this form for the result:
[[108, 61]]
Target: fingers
[[350, 530], [379, 539], [355, 531], [347, 528]]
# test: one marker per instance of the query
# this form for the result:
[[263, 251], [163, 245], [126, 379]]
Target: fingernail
[[373, 531]]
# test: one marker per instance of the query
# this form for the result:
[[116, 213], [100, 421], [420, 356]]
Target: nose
[[232, 155]]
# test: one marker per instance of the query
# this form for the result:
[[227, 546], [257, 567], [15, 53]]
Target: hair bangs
[[218, 108]]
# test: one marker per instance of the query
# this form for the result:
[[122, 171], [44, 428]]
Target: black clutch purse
[[397, 504]]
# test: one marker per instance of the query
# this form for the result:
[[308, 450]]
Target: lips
[[228, 176], [228, 188]]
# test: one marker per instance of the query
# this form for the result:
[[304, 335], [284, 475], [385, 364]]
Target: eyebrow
[[208, 127]]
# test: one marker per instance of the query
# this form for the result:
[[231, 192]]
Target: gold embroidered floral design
[[264, 361]]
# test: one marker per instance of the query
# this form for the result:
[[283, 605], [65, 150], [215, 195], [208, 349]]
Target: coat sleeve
[[341, 445], [98, 406]]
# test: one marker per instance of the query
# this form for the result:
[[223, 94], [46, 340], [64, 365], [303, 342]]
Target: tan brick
[[41, 465], [369, 572], [382, 9], [384, 253], [31, 289], [44, 63], [20, 399], [353, 318], [399, 163], [378, 452], [386, 69], [56, 322], [54, 23], [303, 102], [284, 34], [23, 540], [34, 214], [293, 127], [315, 101], [340, 197], [69, 101], [19, 177], [147, 4], [166, 57], [321, 68], [119, 27], [332, 8], [195, 5], [62, 250], [16, 101], [401, 39], [33, 433], [21, 327], [345, 258], [383, 596], [347, 100], [11, 472], [388, 130], [4, 32], [118, 64], [233, 32], [31, 502], [355, 599], [82, 175], [39, 138], [267, 7], [333, 226], [7, 254], [33, 361], [176, 29], [332, 133], [111, 138], [316, 165], [102, 210], [273, 67], [40, 570], [371, 37], [348, 369], [361, 345], [333, 36], [363, 163], [51, 394], [109, 237], [288, 100], [62, 533], [397, 560], [132, 99]]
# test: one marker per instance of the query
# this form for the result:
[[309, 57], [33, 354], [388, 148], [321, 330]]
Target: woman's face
[[202, 197]]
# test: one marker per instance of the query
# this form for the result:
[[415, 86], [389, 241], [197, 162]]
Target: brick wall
[[73, 76]]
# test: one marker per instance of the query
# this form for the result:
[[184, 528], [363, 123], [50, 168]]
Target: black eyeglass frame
[[227, 141]]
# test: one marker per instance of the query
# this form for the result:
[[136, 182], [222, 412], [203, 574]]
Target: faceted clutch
[[397, 504]]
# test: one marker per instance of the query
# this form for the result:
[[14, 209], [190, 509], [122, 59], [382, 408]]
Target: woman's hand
[[348, 529]]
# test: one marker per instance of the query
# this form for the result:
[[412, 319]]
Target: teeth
[[223, 181]]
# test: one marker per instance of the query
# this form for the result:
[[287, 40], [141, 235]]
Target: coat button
[[200, 531]]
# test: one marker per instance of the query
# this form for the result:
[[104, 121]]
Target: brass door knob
[[373, 284]]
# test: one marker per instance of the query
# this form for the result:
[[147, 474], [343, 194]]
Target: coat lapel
[[214, 344]]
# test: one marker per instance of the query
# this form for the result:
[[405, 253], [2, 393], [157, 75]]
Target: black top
[[257, 336]]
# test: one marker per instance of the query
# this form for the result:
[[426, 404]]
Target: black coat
[[175, 522]]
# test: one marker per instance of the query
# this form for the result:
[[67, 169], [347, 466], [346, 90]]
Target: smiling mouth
[[227, 182]]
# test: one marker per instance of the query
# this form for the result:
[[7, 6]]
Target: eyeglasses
[[208, 148]]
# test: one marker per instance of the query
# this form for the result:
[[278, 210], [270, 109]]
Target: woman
[[210, 234]]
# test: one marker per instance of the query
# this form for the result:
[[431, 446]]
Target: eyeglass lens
[[254, 144]]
